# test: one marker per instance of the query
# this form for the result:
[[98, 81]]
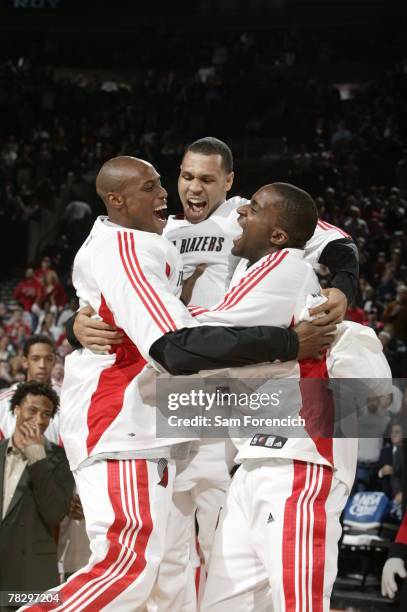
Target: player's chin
[[159, 225], [238, 246]]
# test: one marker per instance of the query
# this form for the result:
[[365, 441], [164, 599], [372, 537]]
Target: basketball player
[[206, 235], [131, 276]]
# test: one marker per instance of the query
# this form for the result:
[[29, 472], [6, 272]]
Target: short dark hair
[[298, 213], [38, 339], [213, 146], [33, 387]]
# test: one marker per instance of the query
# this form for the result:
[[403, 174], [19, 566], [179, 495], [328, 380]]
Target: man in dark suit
[[35, 491]]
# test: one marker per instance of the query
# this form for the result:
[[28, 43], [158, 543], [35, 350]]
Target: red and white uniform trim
[[123, 275], [126, 509]]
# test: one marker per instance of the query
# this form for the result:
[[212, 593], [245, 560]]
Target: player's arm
[[341, 257], [211, 347], [189, 350]]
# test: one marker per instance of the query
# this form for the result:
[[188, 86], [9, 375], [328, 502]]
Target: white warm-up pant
[[200, 487], [276, 545], [126, 506]]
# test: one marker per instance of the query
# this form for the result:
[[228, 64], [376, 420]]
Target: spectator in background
[[39, 355], [395, 352], [29, 290], [48, 327], [17, 327], [396, 314], [44, 268], [391, 462], [53, 291], [36, 492], [356, 314], [373, 422]]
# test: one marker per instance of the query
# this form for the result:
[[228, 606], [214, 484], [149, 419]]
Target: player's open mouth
[[238, 239], [196, 207], [161, 213]]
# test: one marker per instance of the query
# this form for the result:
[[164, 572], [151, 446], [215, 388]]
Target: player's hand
[[312, 339], [95, 335], [334, 309], [392, 568], [189, 284], [75, 509]]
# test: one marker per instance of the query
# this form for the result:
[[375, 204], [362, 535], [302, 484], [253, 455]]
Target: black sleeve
[[399, 550], [191, 349], [342, 258], [70, 334]]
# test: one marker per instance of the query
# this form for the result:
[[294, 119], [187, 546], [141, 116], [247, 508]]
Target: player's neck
[[255, 258]]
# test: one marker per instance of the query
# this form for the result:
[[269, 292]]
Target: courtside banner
[[210, 406]]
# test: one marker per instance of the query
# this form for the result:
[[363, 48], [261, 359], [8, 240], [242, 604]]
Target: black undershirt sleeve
[[191, 349], [342, 259], [70, 334]]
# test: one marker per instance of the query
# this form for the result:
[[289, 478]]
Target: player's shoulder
[[324, 229], [229, 207]]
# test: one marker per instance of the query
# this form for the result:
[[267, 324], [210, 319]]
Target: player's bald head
[[297, 212], [132, 193], [115, 174]]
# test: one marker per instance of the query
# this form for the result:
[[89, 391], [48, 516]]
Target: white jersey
[[8, 420], [274, 292], [209, 242], [132, 280], [323, 235]]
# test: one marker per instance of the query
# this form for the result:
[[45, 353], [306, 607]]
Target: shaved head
[[116, 172], [132, 193]]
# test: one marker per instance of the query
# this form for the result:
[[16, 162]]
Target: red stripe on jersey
[[156, 301], [318, 408], [198, 311], [107, 399], [2, 436], [127, 537], [231, 300], [318, 514], [167, 270], [137, 563], [135, 282], [290, 550], [328, 226], [304, 537], [249, 274]]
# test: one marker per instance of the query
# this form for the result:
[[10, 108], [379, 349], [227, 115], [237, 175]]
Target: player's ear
[[115, 199], [279, 237], [229, 180]]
